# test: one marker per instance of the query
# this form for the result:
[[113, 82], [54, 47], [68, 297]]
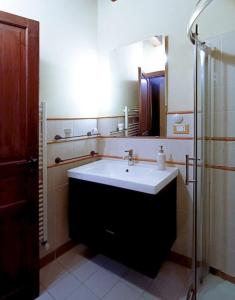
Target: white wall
[[128, 21], [68, 39], [68, 52], [217, 19], [119, 85]]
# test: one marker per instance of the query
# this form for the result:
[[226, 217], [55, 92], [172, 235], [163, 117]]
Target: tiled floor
[[75, 277]]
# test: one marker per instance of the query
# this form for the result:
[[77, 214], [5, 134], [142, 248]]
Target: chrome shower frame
[[198, 44]]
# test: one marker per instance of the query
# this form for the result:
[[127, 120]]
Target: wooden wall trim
[[187, 262], [187, 112], [222, 275], [179, 138], [70, 161], [216, 139], [71, 140], [146, 137], [64, 118], [220, 139], [121, 137], [155, 74], [221, 167]]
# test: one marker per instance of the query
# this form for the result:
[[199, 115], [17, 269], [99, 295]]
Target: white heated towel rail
[[42, 175], [132, 126]]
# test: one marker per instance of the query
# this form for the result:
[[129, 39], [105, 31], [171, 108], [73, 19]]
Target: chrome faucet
[[130, 157]]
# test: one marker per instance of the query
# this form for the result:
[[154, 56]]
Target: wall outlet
[[181, 129]]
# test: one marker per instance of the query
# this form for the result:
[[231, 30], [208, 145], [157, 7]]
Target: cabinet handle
[[110, 231]]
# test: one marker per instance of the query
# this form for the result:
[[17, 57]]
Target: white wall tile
[[78, 127], [57, 182], [221, 153], [62, 150], [50, 130], [222, 123], [224, 95], [61, 215], [222, 221], [147, 148], [184, 192], [106, 125], [84, 147], [60, 125], [82, 127]]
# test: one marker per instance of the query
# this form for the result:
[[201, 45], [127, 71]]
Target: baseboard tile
[[173, 256], [180, 259], [187, 262], [56, 253], [222, 275]]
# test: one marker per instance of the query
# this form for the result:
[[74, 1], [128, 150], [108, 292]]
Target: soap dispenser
[[161, 159]]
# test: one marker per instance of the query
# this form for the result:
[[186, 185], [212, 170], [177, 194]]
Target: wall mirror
[[138, 87]]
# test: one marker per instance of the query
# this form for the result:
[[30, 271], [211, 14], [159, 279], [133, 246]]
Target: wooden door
[[162, 105], [144, 104], [158, 118], [19, 59]]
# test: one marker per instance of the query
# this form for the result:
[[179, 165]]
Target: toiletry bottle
[[161, 159]]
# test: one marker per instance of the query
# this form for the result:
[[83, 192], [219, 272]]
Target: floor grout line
[[111, 289]]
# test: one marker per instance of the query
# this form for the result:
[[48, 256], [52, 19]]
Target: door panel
[[12, 93], [18, 144], [144, 104]]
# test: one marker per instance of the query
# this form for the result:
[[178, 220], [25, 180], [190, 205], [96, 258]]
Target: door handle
[[190, 294], [31, 162], [110, 231], [187, 180]]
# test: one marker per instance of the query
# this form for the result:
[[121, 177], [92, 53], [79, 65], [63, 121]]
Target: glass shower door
[[200, 211], [215, 142], [201, 172]]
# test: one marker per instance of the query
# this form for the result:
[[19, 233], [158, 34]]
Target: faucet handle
[[130, 151]]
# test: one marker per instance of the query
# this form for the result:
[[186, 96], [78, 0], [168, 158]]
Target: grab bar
[[59, 137], [60, 160], [200, 7]]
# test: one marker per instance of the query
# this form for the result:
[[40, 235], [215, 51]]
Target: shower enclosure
[[213, 164]]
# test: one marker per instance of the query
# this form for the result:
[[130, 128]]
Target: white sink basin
[[144, 178]]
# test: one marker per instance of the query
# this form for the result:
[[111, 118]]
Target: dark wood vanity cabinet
[[135, 228]]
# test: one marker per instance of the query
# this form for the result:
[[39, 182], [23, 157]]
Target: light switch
[[181, 129]]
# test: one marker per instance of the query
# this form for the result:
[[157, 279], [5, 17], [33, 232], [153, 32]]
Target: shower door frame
[[193, 36]]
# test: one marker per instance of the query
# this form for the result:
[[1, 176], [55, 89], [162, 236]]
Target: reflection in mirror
[[138, 84]]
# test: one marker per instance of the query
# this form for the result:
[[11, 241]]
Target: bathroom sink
[[140, 177]]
